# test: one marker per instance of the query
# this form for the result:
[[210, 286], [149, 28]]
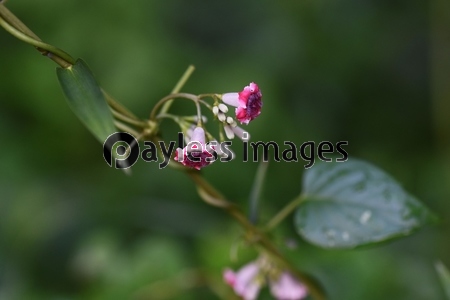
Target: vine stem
[[169, 98], [125, 128], [9, 17], [19, 30], [118, 107], [212, 197], [129, 120]]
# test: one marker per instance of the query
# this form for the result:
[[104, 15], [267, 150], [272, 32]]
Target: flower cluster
[[247, 282], [198, 154], [248, 105]]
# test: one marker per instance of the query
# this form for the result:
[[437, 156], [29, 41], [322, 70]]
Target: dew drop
[[345, 236], [365, 216]]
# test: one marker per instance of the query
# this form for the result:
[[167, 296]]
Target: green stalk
[[169, 98], [56, 54], [126, 128], [284, 212], [10, 18], [255, 194], [129, 120], [178, 87], [118, 107]]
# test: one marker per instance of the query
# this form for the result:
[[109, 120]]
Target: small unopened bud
[[215, 110], [221, 116], [223, 108]]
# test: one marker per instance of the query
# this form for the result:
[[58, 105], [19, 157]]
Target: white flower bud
[[223, 108], [221, 116]]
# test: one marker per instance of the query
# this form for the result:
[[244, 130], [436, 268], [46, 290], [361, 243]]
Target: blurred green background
[[374, 73]]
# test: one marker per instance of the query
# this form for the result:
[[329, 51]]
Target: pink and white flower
[[248, 103], [195, 154], [245, 282], [287, 287]]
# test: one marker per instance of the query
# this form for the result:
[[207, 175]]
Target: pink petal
[[252, 290], [241, 115], [288, 287], [245, 276], [229, 276]]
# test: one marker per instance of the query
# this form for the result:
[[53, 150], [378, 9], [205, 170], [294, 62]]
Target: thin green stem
[[213, 96], [118, 107], [178, 87], [175, 118], [284, 212], [444, 277], [170, 97], [129, 120], [206, 104], [67, 59], [126, 128], [199, 114], [10, 18], [256, 191]]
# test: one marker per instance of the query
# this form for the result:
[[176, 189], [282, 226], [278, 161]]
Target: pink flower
[[195, 154], [250, 278], [248, 103], [287, 287], [245, 282]]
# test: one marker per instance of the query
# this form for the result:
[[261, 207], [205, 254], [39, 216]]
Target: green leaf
[[353, 203], [444, 276], [86, 99]]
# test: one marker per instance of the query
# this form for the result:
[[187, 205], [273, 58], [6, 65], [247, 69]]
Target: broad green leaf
[[444, 276], [86, 99], [353, 203]]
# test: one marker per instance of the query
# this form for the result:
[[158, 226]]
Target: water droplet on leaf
[[365, 216]]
